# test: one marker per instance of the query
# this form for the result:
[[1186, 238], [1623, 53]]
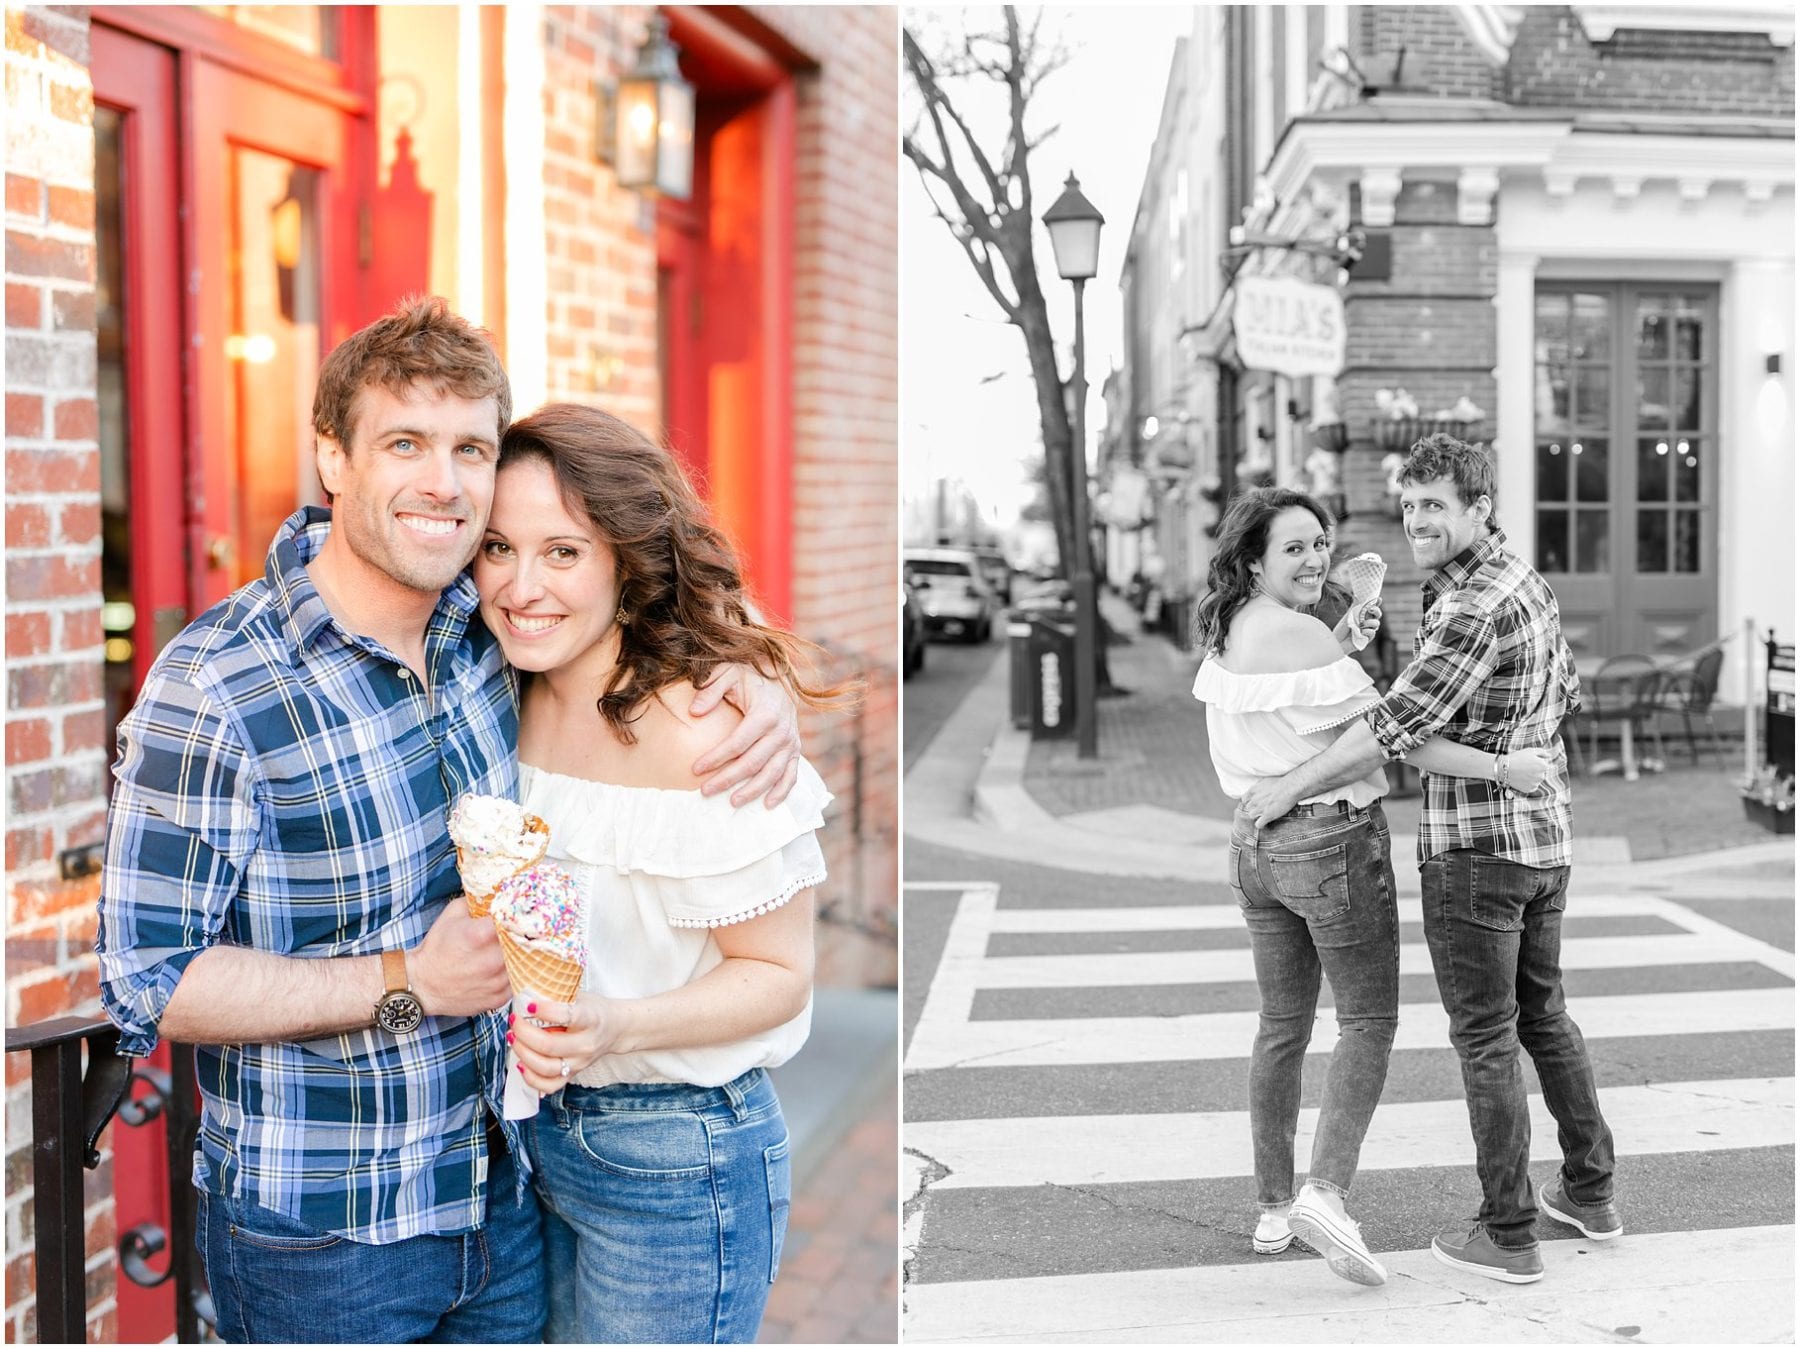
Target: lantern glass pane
[[1076, 244], [634, 151], [675, 143]]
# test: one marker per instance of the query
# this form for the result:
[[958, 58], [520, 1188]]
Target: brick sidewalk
[[840, 1270], [1153, 752]]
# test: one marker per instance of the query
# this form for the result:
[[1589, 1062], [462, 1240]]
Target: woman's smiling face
[[549, 584], [1293, 565]]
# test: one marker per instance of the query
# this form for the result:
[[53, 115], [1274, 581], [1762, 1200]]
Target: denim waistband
[[1315, 809], [666, 1096]]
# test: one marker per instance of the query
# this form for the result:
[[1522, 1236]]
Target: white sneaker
[[1273, 1236], [1318, 1219]]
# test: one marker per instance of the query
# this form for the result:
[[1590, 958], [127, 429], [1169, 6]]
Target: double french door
[[1627, 463]]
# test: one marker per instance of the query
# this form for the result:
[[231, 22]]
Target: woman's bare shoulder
[[670, 738], [1278, 641]]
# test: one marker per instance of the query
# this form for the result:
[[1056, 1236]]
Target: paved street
[[1075, 1129], [931, 695]]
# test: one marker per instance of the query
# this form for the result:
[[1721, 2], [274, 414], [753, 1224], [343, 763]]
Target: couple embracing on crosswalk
[[1299, 736]]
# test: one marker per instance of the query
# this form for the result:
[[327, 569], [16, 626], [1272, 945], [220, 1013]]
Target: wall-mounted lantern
[[646, 129]]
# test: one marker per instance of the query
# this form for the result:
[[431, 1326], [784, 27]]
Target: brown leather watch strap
[[393, 971]]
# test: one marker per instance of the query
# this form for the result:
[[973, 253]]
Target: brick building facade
[[789, 369], [1574, 229]]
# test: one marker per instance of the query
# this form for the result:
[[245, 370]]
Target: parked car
[[997, 571], [912, 631], [956, 597]]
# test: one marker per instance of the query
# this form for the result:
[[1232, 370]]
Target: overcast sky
[[957, 418]]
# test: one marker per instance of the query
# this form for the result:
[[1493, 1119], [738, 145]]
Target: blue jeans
[[278, 1281], [665, 1207], [1317, 892], [1495, 932]]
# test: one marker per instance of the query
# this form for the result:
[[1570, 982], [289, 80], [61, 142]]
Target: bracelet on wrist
[[1500, 767]]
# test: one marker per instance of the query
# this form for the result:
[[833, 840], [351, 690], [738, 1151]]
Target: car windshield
[[931, 566]]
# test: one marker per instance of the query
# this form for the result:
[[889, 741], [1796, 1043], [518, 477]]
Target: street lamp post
[[1074, 224]]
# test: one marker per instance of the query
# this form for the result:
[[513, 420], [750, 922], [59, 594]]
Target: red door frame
[[728, 255]]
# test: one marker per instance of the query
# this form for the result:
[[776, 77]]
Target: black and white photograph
[[1348, 498]]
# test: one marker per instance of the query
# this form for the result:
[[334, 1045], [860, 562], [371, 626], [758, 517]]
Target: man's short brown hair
[[419, 342], [1470, 467]]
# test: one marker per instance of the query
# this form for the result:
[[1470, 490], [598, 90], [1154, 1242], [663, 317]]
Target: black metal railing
[[70, 1109]]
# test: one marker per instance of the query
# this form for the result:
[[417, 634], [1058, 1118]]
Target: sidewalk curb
[[1008, 823]]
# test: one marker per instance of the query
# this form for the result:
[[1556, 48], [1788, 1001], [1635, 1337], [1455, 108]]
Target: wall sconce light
[[1772, 363], [646, 120]]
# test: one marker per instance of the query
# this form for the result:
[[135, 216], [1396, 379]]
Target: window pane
[[1652, 540], [1591, 463], [1593, 395], [1687, 399], [1653, 327], [1559, 398], [1591, 328], [1684, 457], [1653, 459], [1544, 401], [1552, 317], [1687, 541], [1653, 399], [1689, 320], [1552, 541], [1591, 541], [1552, 471]]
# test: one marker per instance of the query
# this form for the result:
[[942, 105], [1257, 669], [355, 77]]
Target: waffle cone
[[481, 899], [1363, 574], [553, 977]]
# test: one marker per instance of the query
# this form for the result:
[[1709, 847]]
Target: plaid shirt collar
[[1466, 564], [304, 612]]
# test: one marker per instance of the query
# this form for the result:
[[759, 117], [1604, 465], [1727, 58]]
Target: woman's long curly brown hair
[[680, 585]]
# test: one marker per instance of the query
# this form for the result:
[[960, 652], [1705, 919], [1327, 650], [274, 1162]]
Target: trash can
[[1018, 656], [1050, 649]]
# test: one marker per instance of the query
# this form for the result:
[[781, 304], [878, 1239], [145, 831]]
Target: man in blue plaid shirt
[[281, 891], [1490, 669]]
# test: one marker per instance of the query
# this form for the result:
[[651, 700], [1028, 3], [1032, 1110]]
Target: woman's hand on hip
[[573, 1035]]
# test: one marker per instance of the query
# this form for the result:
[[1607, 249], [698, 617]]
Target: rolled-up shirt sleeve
[[1451, 663], [182, 824]]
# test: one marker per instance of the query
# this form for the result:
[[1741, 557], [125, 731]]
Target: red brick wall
[[601, 246], [1717, 75], [54, 716], [600, 240], [846, 405], [1430, 330]]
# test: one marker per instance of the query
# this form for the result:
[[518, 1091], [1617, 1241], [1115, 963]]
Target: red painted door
[[227, 265]]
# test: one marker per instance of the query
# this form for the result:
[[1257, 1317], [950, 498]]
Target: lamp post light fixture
[[1074, 223], [646, 127]]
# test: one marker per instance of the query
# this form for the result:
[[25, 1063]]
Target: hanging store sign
[[1288, 327]]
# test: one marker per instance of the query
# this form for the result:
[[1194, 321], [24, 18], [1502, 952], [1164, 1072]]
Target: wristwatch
[[398, 1010]]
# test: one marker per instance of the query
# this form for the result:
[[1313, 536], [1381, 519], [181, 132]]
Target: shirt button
[[405, 673]]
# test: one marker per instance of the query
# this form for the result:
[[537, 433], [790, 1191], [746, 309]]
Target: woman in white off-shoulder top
[[1316, 887], [660, 1154]]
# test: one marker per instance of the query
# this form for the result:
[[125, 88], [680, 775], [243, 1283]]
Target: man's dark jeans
[[1317, 892], [1495, 932]]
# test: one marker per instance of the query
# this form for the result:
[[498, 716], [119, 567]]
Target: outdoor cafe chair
[[1626, 692], [1692, 695]]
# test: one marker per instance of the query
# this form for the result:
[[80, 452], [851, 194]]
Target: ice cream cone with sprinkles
[[494, 839], [543, 931]]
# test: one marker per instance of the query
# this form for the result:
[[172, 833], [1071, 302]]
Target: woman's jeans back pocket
[[778, 1168], [1314, 883]]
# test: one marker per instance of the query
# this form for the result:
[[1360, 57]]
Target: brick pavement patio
[[840, 1269]]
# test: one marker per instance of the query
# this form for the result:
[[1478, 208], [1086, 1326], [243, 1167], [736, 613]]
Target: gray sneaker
[[1476, 1252], [1600, 1221]]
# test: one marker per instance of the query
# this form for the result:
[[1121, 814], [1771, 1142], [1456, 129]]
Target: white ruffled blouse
[[660, 870], [1263, 725]]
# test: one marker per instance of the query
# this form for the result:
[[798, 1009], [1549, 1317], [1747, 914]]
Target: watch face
[[399, 1012]]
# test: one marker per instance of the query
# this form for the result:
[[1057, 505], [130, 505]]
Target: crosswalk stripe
[[1117, 1149], [1142, 918], [1675, 1282], [1227, 1035], [1138, 969]]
